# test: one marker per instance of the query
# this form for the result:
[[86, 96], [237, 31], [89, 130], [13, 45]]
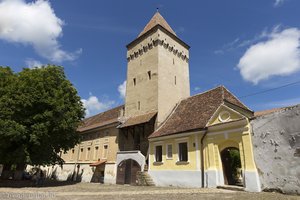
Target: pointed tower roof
[[155, 20]]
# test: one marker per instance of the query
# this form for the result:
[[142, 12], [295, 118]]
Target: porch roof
[[138, 119], [98, 163]]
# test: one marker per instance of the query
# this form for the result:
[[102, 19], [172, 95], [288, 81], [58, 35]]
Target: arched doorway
[[126, 172], [231, 163]]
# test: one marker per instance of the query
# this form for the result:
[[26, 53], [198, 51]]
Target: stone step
[[144, 179], [231, 187]]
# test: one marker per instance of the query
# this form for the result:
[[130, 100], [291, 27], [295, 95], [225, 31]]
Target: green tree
[[40, 111]]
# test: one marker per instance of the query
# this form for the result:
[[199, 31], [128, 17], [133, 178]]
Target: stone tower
[[157, 71]]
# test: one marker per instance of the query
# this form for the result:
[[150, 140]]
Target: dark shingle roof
[[140, 119], [194, 112], [101, 119], [155, 20]]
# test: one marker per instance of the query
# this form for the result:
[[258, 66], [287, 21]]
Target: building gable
[[224, 114]]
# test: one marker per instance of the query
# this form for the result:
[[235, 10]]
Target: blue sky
[[248, 46]]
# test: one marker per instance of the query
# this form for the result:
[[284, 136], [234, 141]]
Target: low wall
[[179, 178], [276, 142], [69, 172]]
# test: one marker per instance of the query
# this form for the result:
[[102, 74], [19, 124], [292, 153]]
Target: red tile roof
[[98, 163], [101, 119], [155, 20], [194, 112], [138, 119], [265, 112]]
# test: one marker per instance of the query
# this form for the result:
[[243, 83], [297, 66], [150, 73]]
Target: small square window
[[158, 153]]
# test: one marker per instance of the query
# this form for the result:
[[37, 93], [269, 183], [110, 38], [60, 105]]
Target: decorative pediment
[[224, 114]]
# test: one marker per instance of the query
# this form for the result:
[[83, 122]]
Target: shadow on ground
[[30, 183]]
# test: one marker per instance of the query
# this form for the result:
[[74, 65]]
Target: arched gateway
[[231, 163], [128, 164]]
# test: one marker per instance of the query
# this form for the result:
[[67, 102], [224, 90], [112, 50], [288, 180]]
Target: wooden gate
[[126, 172], [121, 172]]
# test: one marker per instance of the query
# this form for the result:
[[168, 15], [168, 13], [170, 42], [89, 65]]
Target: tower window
[[139, 105], [175, 81], [134, 81], [173, 61], [149, 75]]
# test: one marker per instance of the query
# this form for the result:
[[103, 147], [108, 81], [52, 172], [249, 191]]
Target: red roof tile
[[194, 112], [265, 112], [138, 119], [155, 20], [101, 119], [98, 163]]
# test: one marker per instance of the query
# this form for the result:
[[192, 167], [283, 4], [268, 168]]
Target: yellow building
[[94, 159], [198, 141], [194, 146]]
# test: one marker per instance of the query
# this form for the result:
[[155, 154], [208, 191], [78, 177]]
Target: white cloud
[[278, 55], [31, 63], [197, 88], [34, 24], [122, 90], [94, 106], [278, 3]]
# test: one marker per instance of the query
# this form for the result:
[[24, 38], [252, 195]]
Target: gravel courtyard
[[93, 191]]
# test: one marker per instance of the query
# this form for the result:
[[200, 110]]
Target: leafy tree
[[40, 111], [235, 161]]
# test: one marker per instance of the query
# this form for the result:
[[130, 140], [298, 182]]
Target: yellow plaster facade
[[100, 144], [231, 130], [174, 163]]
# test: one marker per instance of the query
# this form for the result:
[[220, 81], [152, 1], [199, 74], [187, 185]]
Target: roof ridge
[[219, 86], [101, 113], [156, 19], [237, 98]]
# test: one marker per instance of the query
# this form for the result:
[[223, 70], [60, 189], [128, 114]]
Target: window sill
[[158, 163], [169, 158], [182, 162]]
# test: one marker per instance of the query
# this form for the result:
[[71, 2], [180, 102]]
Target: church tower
[[157, 71]]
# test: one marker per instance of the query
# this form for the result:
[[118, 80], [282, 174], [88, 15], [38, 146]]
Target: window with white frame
[[158, 153], [169, 151], [183, 152]]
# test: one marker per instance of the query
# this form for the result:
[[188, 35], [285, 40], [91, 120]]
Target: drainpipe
[[202, 158]]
